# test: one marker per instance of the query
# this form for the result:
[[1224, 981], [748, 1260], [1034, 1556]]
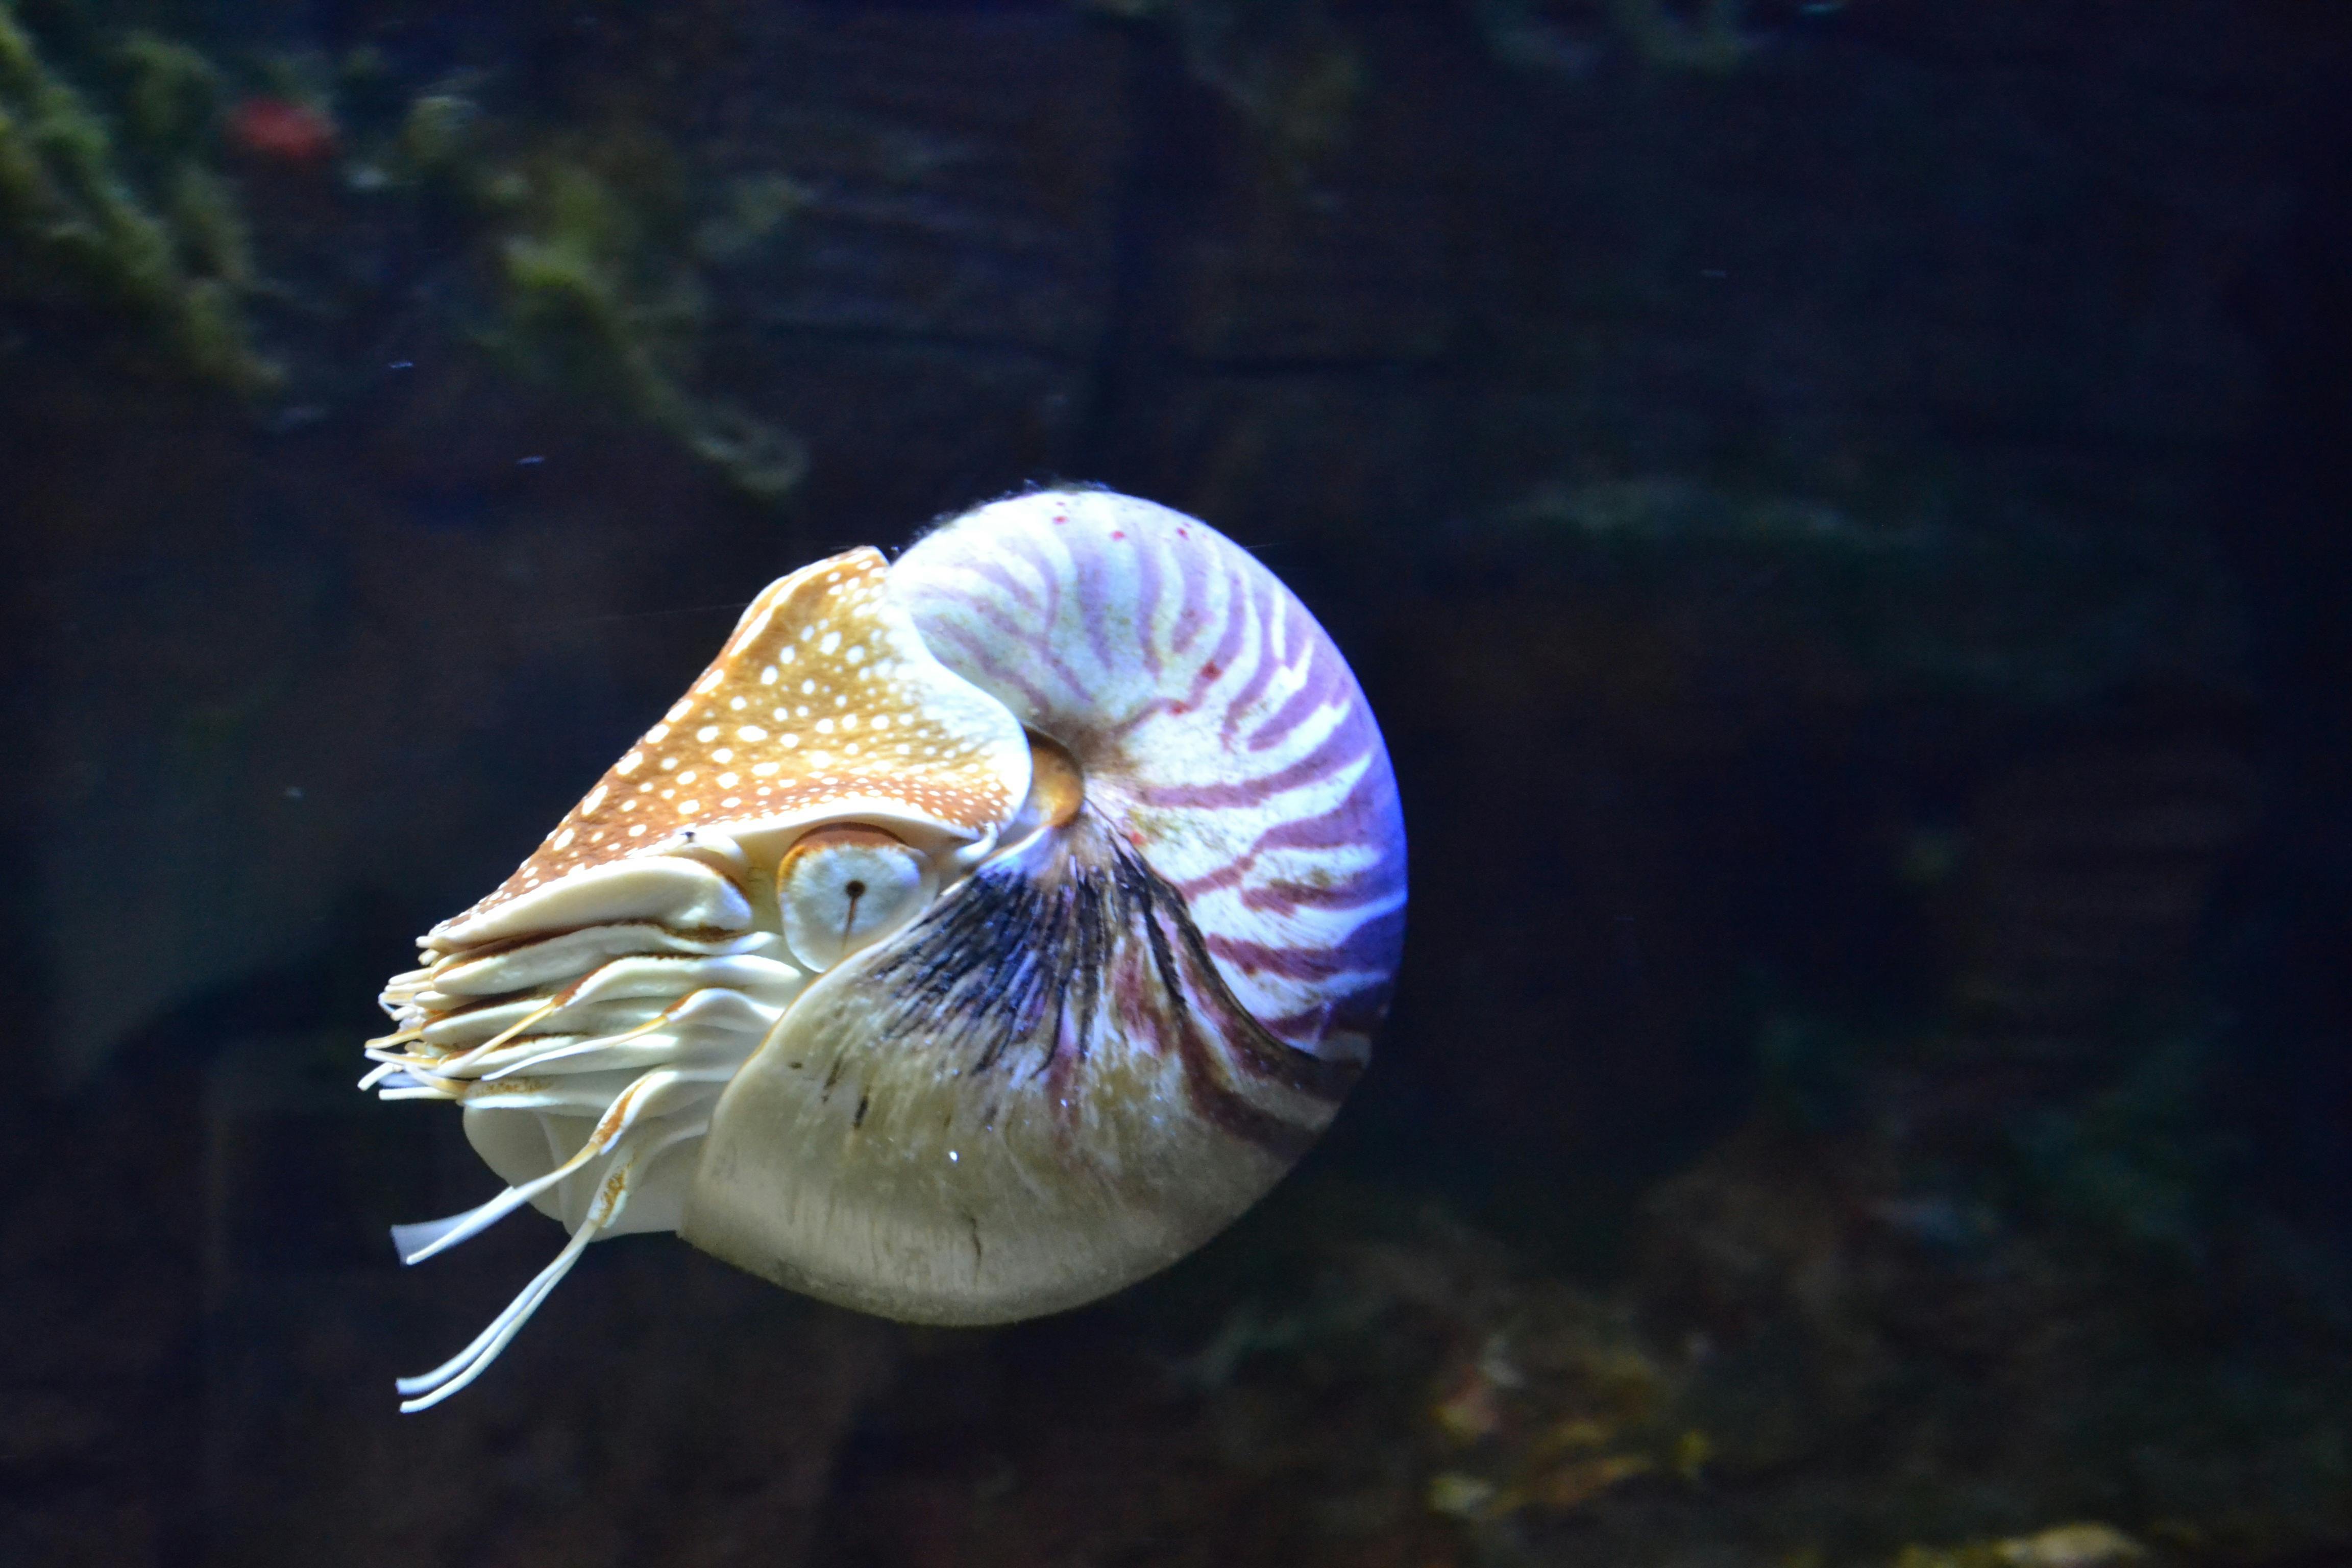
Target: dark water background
[[1838, 508]]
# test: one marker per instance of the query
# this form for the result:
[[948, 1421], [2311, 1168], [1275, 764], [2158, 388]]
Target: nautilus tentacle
[[977, 935]]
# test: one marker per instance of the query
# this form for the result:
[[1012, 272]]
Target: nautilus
[[981, 932]]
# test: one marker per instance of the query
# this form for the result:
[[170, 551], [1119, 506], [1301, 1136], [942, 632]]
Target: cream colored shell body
[[979, 933]]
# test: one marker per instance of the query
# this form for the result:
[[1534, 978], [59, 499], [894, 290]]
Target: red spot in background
[[1116, 534], [282, 129]]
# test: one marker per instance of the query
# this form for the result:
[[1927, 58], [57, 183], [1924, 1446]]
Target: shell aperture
[[978, 934]]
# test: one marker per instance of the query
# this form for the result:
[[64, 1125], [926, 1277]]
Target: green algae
[[83, 227], [600, 292], [112, 198], [434, 134], [172, 92]]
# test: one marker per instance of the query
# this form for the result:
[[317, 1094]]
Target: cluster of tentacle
[[629, 1059]]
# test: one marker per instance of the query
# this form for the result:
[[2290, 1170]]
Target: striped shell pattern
[[977, 935]]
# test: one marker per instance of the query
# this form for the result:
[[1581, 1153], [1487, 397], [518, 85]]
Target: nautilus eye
[[978, 934], [841, 888]]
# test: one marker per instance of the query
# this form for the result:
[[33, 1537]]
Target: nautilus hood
[[978, 934]]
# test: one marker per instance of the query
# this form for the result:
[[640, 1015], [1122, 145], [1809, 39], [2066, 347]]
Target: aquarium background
[[1838, 507]]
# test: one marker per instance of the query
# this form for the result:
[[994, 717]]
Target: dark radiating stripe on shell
[[1185, 677], [1026, 972], [1357, 820], [1377, 935]]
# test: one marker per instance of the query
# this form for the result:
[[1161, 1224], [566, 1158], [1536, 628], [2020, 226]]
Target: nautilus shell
[[978, 933]]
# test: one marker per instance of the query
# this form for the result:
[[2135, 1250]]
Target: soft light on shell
[[977, 935]]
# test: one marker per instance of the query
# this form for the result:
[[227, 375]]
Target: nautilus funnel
[[978, 934]]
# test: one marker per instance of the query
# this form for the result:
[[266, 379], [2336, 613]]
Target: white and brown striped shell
[[977, 935]]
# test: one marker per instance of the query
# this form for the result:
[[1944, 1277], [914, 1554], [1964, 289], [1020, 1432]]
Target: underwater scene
[[1176, 784]]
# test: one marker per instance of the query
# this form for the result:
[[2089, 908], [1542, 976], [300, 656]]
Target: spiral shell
[[977, 935]]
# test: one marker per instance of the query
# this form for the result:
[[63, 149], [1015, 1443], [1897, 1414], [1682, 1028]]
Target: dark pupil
[[855, 890]]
